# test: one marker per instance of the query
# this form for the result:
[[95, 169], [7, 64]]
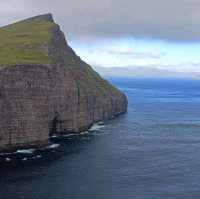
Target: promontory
[[45, 88]]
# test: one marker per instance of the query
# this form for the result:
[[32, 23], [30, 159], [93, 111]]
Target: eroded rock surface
[[54, 94]]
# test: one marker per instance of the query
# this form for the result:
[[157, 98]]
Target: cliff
[[45, 88]]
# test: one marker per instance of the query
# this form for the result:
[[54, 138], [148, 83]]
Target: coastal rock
[[45, 88]]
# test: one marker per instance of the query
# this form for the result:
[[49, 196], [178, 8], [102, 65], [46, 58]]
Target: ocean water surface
[[152, 152]]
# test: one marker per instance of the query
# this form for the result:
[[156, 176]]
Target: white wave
[[8, 159], [26, 151], [4, 154], [24, 159], [38, 156], [53, 146], [69, 135], [84, 132], [54, 136], [96, 127]]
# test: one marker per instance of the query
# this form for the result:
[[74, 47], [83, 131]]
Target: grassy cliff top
[[26, 42]]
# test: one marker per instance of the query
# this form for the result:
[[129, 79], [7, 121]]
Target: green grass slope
[[26, 42]]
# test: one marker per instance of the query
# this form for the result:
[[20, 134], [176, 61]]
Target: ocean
[[152, 152]]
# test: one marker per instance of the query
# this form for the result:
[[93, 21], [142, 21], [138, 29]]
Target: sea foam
[[96, 127]]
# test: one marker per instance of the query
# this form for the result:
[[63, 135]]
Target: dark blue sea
[[152, 152]]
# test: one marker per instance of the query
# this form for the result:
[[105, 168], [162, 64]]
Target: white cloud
[[141, 53]]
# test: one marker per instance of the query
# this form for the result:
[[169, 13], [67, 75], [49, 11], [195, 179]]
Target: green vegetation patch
[[25, 42]]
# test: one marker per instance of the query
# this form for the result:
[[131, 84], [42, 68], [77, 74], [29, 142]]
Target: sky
[[119, 33]]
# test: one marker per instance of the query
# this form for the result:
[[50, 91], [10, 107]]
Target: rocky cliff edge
[[45, 88]]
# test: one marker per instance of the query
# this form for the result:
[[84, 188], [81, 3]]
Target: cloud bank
[[171, 20]]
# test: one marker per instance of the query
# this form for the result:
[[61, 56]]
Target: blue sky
[[177, 56]]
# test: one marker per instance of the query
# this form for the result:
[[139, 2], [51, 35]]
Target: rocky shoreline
[[56, 148]]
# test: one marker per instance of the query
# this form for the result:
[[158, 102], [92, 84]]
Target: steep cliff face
[[45, 88]]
